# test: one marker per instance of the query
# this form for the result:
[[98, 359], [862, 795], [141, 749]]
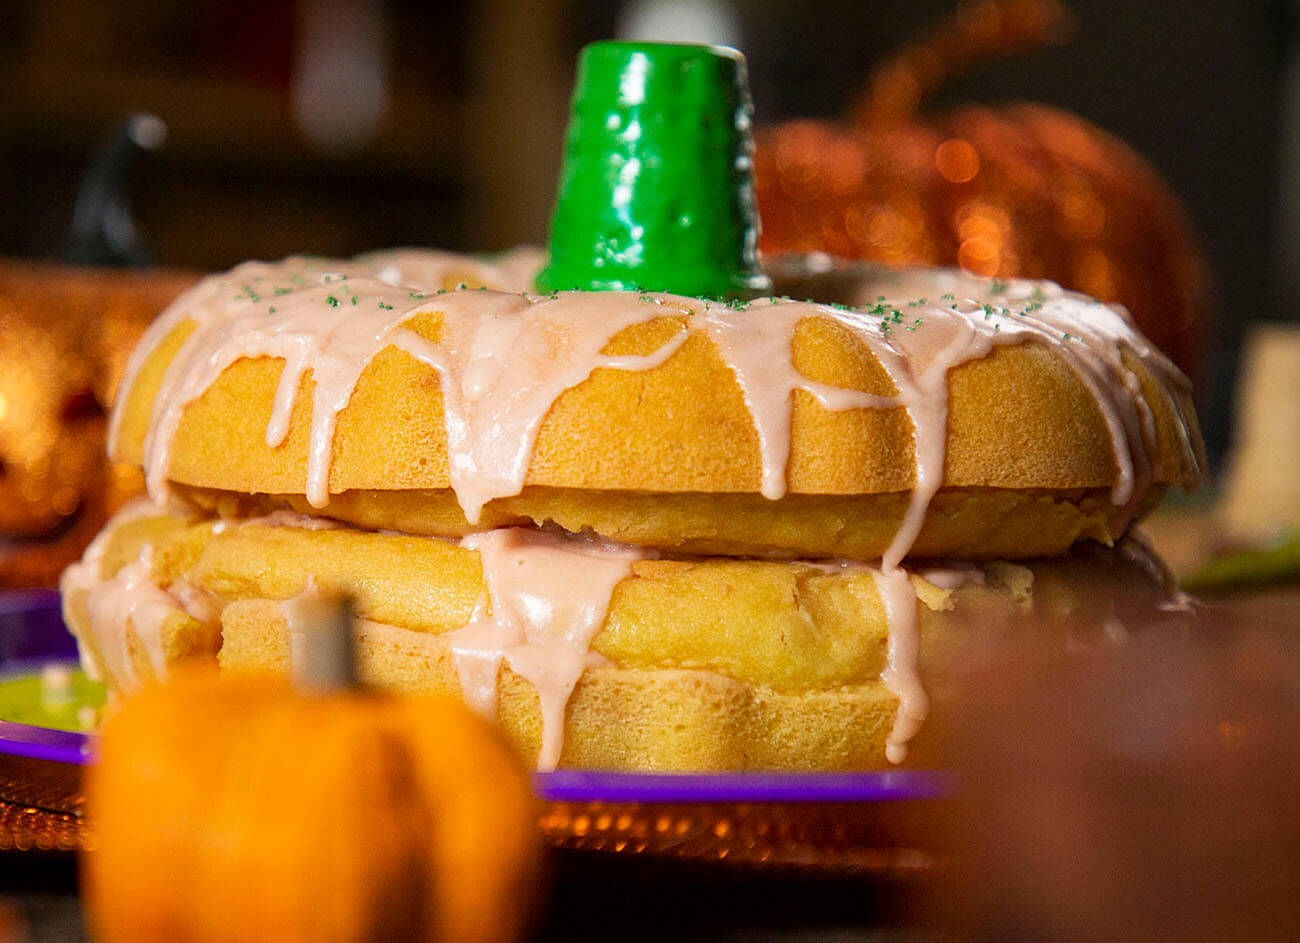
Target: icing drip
[[503, 360], [128, 603], [756, 344], [546, 598], [129, 600], [902, 676], [924, 392]]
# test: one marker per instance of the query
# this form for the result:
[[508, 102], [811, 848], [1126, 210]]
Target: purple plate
[[32, 632], [576, 785]]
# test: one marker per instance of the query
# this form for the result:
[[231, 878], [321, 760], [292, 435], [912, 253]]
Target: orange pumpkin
[[67, 334], [1025, 190], [235, 809]]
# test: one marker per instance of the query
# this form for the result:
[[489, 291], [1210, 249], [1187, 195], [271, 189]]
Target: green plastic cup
[[657, 190]]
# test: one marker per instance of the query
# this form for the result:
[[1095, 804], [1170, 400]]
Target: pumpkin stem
[[977, 32], [321, 642]]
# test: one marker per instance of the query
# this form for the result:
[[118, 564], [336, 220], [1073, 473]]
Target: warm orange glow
[[1082, 215], [65, 500], [980, 220], [957, 161], [1094, 274], [979, 256]]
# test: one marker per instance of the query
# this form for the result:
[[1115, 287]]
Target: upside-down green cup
[[657, 191]]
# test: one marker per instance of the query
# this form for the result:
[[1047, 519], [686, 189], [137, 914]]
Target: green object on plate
[[657, 190], [45, 700], [1246, 569]]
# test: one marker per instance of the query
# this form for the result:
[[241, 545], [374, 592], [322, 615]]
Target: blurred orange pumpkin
[[233, 809], [65, 335], [1019, 191]]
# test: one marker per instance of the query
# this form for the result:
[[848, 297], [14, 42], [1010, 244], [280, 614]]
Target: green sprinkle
[[948, 296], [354, 299], [988, 311], [331, 301], [417, 295], [283, 291], [271, 310], [386, 307], [1066, 336]]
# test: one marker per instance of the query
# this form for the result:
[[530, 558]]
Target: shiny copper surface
[[891, 838]]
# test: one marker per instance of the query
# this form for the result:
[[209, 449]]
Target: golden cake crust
[[1019, 420]]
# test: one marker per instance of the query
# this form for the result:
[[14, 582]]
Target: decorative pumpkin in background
[[65, 335], [233, 809], [1019, 191]]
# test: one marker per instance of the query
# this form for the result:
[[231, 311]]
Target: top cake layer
[[375, 389]]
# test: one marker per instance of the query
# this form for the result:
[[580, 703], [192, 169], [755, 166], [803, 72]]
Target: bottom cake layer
[[617, 718], [593, 654]]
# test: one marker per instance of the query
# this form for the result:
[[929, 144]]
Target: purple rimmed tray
[[32, 630]]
